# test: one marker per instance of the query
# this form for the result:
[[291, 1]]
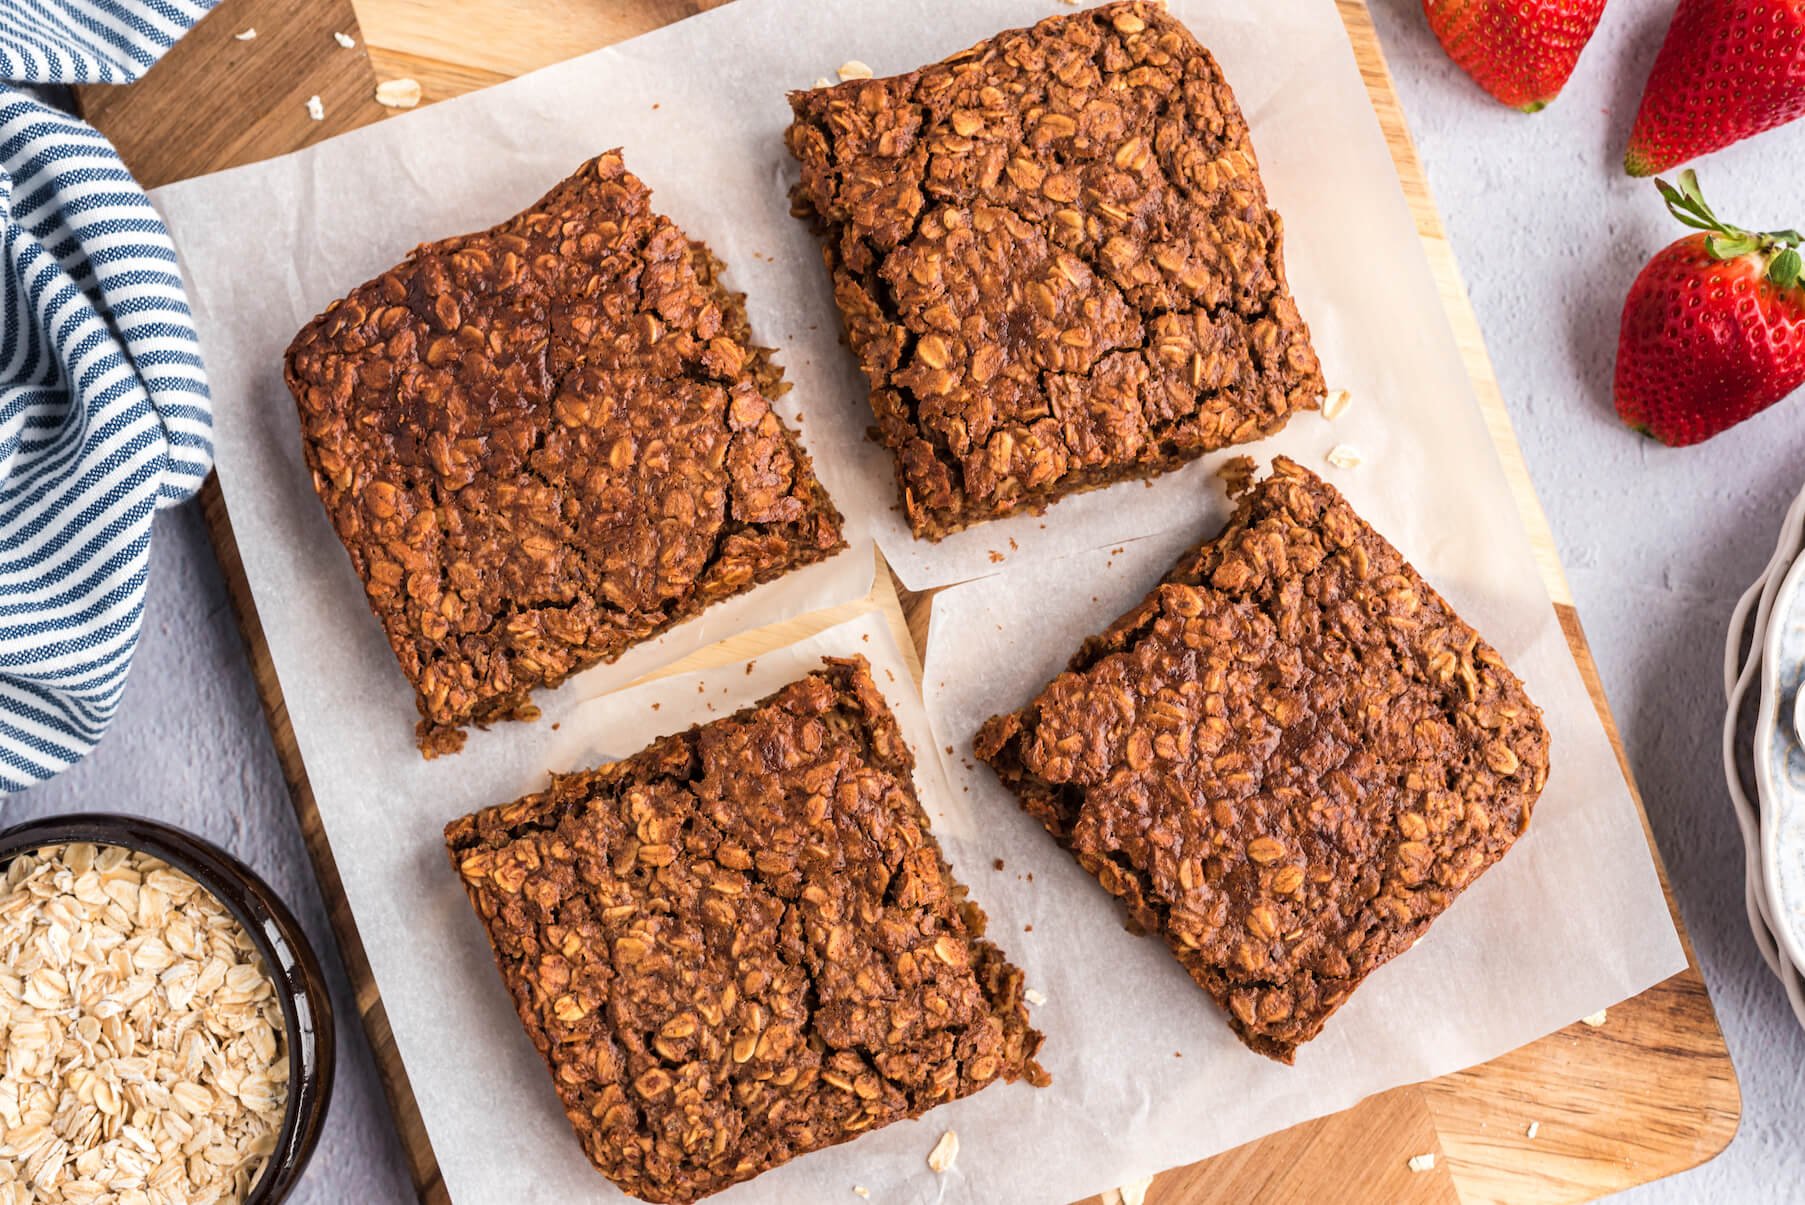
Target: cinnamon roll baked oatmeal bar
[[547, 442], [1055, 262], [1287, 761]]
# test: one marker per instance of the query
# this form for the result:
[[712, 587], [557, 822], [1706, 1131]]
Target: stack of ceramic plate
[[1764, 751]]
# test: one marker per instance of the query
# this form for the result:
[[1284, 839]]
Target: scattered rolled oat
[[1135, 1191], [246, 34], [1534, 1128], [144, 1041], [1034, 997], [1596, 1019], [398, 93], [944, 1152], [316, 109], [1336, 403], [859, 1190], [823, 82], [1422, 1163], [345, 40], [1343, 456], [853, 69]]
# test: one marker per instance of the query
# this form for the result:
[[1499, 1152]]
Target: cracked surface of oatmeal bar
[[1286, 761], [548, 441], [1055, 263], [743, 944]]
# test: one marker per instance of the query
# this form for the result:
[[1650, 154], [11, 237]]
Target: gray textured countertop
[[1657, 543]]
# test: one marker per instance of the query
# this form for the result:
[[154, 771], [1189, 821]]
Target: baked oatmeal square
[[1055, 262], [547, 442], [743, 944], [1287, 761]]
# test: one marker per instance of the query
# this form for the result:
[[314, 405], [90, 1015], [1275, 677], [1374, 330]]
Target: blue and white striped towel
[[104, 411]]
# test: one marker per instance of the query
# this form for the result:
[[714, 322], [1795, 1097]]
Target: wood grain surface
[[1650, 1093]]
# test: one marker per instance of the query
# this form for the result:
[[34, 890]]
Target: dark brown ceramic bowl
[[301, 988]]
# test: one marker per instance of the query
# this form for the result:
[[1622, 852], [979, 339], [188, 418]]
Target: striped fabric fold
[[104, 412]]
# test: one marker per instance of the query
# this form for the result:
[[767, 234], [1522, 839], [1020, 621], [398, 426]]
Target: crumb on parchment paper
[[1237, 472]]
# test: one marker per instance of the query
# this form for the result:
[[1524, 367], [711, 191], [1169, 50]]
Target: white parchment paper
[[1571, 921]]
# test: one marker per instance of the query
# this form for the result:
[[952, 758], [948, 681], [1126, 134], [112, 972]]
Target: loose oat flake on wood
[[144, 1044]]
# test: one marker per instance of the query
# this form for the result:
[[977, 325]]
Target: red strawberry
[[1729, 69], [1521, 51], [1713, 329]]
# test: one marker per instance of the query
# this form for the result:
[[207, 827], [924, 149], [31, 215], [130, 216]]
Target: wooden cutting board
[[1649, 1093]]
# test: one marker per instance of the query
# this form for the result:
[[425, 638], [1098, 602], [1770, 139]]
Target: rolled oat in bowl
[[145, 1055]]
